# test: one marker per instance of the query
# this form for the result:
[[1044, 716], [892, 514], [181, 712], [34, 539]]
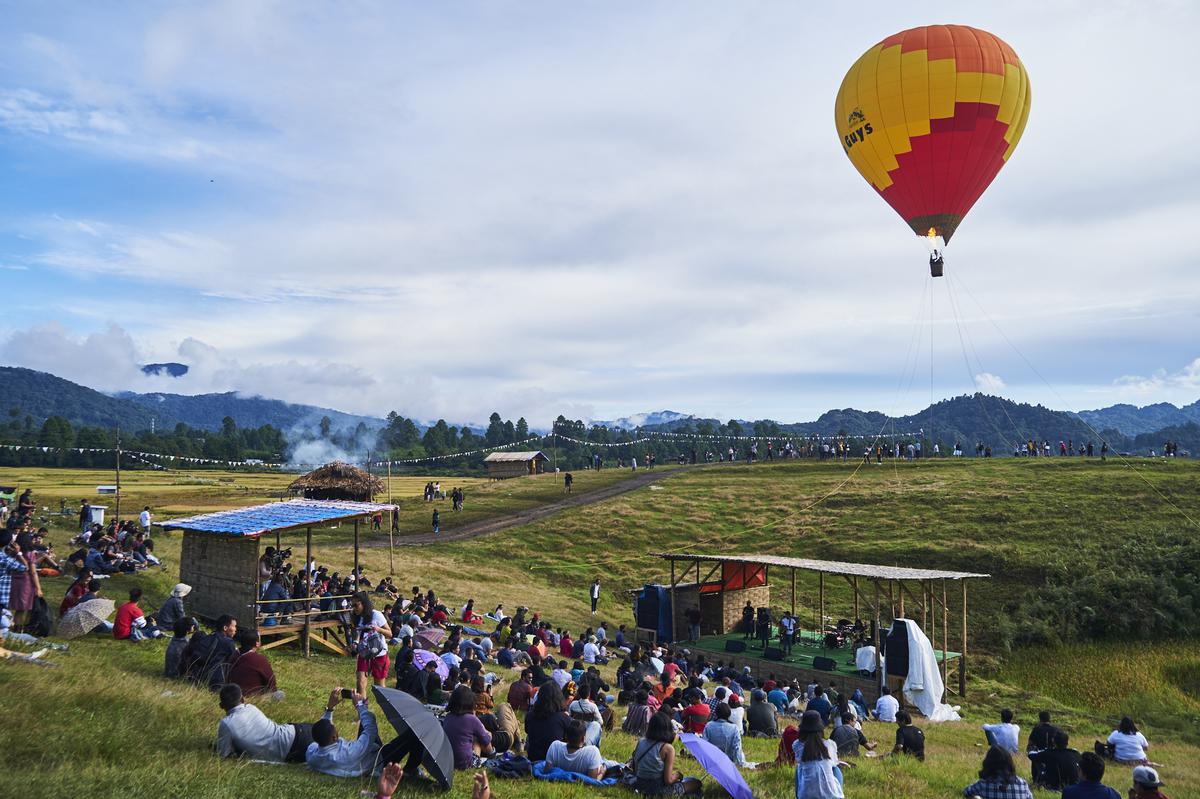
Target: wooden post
[[821, 605], [793, 592], [278, 544], [854, 585], [390, 482], [673, 608], [900, 596], [962, 658], [117, 511], [878, 671], [392, 540], [356, 587], [307, 589], [924, 605], [945, 626]]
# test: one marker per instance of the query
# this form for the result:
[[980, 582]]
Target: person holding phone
[[339, 757]]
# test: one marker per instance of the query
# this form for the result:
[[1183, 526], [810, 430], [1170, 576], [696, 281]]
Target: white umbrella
[[657, 664], [85, 617]]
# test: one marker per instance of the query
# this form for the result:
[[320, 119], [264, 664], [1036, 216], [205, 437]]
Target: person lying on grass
[[246, 731]]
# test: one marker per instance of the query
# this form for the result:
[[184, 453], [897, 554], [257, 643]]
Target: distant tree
[[522, 429], [495, 430], [228, 427], [734, 428], [326, 426], [56, 432], [510, 432]]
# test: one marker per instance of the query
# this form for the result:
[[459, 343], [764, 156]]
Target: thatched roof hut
[[337, 480]]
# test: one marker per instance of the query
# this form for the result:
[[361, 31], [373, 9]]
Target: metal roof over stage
[[830, 567], [275, 517]]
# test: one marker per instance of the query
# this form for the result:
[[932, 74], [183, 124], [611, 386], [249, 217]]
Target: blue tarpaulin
[[254, 521]]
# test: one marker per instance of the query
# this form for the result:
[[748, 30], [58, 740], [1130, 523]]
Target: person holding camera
[[371, 634], [338, 757]]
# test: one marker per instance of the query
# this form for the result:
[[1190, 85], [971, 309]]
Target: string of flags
[[649, 435], [450, 455]]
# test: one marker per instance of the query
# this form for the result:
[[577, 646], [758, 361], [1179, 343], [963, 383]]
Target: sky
[[592, 209]]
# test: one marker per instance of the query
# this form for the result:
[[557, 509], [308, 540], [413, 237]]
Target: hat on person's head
[[734, 700], [811, 722], [1146, 776], [745, 669], [181, 590]]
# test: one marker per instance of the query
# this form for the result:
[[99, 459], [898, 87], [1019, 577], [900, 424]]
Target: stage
[[801, 657]]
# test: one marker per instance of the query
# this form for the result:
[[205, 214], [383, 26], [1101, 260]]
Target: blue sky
[[589, 209]]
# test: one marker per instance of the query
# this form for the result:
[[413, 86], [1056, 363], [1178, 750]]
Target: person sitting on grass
[[1146, 784], [818, 775], [761, 716], [998, 778], [175, 648], [821, 704], [575, 755], [886, 705], [848, 737], [130, 623], [245, 730], [722, 733], [910, 740], [1129, 745], [466, 733], [1005, 734], [339, 757], [1091, 770], [208, 657], [172, 610], [1057, 767], [654, 762], [638, 714], [76, 591], [520, 692], [697, 712], [251, 671], [546, 721]]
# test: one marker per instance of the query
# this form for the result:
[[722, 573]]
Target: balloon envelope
[[929, 116]]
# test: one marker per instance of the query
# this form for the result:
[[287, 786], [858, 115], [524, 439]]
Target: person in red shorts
[[371, 634]]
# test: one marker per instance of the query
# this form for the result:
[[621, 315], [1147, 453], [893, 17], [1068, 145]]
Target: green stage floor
[[801, 656]]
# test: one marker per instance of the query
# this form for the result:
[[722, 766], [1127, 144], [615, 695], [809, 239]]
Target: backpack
[[39, 619]]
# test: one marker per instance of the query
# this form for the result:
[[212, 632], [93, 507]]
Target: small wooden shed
[[502, 465], [337, 481]]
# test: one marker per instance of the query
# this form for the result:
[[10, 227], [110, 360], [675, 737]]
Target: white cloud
[[989, 383]]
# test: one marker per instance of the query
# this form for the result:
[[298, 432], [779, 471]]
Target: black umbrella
[[408, 716]]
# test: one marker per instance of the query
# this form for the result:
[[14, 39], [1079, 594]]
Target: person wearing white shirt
[[1130, 744], [590, 651], [574, 755], [1005, 734], [886, 706], [864, 660], [144, 520], [245, 730], [561, 675]]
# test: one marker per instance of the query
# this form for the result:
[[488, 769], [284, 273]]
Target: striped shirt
[[8, 567]]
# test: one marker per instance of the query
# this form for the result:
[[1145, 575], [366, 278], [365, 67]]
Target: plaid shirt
[[1014, 788], [8, 565]]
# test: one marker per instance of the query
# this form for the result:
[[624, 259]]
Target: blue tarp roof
[[254, 521]]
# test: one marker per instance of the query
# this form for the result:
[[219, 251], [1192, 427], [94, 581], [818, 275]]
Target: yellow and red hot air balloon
[[929, 116]]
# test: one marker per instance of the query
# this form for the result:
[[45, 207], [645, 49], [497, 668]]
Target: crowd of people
[[557, 710]]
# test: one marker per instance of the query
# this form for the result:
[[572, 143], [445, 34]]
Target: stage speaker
[[647, 610], [895, 650], [824, 664], [735, 646], [773, 653]]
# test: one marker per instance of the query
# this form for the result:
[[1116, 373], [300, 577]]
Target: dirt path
[[496, 524]]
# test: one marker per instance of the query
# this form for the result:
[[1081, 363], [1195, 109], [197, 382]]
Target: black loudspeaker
[[895, 650], [824, 664], [773, 653], [647, 610], [735, 646]]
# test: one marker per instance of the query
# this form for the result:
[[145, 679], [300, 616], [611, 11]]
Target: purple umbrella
[[430, 638], [423, 656], [718, 764]]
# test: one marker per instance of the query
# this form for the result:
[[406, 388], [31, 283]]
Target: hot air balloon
[[929, 116]]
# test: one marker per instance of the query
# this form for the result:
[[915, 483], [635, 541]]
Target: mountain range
[[966, 418]]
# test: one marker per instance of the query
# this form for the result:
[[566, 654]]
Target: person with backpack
[[371, 633], [209, 657]]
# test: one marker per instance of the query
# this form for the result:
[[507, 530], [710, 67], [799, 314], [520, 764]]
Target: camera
[[278, 558]]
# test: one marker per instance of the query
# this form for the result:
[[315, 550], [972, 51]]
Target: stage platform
[[801, 656]]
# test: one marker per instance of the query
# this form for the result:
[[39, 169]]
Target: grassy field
[[101, 722]]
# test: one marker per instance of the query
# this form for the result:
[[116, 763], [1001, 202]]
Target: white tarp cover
[[923, 687]]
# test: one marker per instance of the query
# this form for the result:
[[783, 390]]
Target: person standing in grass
[[1091, 769], [998, 778], [594, 594], [437, 522]]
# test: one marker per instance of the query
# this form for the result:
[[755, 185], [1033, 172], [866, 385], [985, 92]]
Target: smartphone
[[347, 693]]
